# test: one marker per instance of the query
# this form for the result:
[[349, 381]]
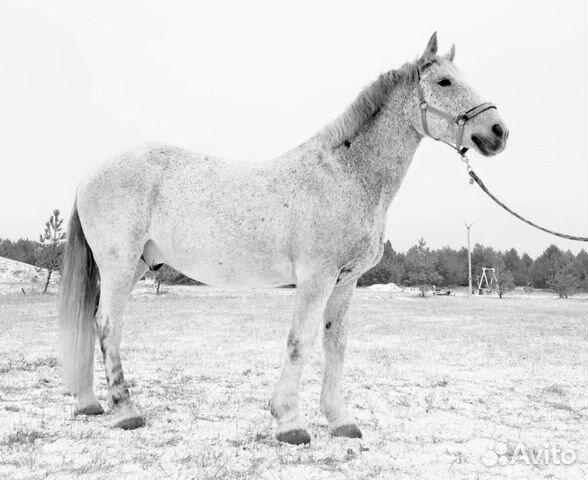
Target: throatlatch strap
[[424, 120]]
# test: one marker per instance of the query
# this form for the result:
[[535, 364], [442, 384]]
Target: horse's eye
[[444, 82]]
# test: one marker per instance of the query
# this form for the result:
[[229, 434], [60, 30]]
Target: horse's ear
[[431, 49], [450, 55]]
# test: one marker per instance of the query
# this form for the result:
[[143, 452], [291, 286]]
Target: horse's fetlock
[[118, 381], [282, 404], [119, 396], [330, 413]]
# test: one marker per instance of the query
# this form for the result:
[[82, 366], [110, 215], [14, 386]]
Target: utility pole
[[469, 261]]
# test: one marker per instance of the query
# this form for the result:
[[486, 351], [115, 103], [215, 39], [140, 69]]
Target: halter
[[460, 120]]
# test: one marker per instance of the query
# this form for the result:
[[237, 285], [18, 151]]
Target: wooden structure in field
[[488, 282]]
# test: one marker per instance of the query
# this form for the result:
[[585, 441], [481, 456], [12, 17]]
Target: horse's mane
[[367, 104]]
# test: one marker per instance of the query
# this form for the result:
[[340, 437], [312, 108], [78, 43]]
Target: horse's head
[[445, 107]]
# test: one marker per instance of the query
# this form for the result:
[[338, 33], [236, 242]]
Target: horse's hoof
[[129, 423], [294, 437], [349, 431], [128, 418], [91, 409]]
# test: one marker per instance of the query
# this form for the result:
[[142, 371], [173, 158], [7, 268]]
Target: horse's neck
[[380, 154]]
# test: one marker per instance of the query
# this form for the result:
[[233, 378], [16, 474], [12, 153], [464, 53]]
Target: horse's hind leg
[[116, 283], [88, 404], [311, 297], [341, 423]]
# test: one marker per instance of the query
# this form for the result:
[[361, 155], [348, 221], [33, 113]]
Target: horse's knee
[[297, 349]]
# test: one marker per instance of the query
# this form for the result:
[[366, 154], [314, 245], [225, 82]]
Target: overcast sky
[[81, 81]]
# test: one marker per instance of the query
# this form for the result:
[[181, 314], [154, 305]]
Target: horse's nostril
[[498, 130]]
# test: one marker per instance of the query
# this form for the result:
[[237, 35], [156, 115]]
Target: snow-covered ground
[[385, 287], [433, 382], [22, 277]]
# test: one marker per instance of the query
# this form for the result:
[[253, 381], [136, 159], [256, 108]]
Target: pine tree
[[547, 265], [49, 255], [581, 267], [420, 266], [452, 265], [504, 276], [564, 281], [522, 276]]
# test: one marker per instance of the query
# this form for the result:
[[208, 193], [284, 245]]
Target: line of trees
[[22, 250], [420, 266]]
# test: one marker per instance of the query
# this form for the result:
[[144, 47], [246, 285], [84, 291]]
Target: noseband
[[459, 120]]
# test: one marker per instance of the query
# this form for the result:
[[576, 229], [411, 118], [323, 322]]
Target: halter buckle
[[423, 105]]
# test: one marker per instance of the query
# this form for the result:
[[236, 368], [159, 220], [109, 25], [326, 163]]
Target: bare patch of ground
[[435, 383]]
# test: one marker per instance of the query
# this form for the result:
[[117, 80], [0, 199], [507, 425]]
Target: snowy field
[[442, 388]]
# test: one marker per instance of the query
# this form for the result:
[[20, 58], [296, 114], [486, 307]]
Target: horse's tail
[[78, 300]]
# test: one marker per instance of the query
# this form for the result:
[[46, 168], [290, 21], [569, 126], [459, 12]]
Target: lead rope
[[478, 180]]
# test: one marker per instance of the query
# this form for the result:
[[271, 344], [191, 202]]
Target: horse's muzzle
[[489, 145]]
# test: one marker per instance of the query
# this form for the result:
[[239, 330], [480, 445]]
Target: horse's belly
[[223, 264], [243, 274]]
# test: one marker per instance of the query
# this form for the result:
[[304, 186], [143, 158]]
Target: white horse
[[314, 217]]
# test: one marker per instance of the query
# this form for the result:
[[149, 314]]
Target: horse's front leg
[[341, 423], [311, 298]]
